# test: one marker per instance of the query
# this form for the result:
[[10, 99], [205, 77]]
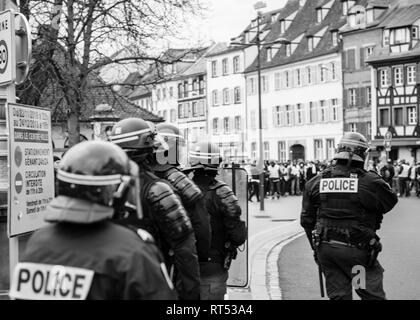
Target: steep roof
[[401, 17], [303, 25]]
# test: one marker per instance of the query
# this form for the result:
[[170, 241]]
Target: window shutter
[[375, 79], [231, 96], [418, 73], [351, 59], [363, 92], [306, 108], [273, 112], [358, 97], [231, 124], [344, 64], [314, 70], [362, 57], [345, 98], [282, 115]]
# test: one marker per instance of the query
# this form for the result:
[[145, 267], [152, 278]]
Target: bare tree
[[75, 39]]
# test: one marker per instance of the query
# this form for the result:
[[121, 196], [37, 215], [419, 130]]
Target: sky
[[225, 19]]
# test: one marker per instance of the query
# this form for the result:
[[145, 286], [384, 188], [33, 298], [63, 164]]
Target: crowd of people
[[282, 179]]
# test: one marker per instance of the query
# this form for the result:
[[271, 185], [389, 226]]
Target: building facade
[[301, 83], [395, 73]]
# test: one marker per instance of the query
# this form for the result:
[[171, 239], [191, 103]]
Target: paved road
[[400, 258]]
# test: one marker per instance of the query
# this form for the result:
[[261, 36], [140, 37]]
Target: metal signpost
[[388, 143]]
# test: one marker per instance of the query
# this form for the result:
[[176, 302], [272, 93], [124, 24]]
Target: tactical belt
[[340, 243]]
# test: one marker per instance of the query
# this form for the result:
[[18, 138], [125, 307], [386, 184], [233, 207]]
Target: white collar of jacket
[[66, 209]]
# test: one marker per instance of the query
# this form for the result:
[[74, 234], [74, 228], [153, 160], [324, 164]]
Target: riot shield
[[237, 179]]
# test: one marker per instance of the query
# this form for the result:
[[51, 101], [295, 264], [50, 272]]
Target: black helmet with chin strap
[[205, 155], [175, 141], [353, 146], [137, 137]]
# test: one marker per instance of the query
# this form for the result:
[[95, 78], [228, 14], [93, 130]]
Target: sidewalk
[[400, 258], [267, 231]]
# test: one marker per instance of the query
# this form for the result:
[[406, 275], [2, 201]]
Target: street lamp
[[258, 43]]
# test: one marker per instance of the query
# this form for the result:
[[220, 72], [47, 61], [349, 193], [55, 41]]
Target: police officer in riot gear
[[82, 254], [342, 209], [163, 214], [228, 231], [166, 167]]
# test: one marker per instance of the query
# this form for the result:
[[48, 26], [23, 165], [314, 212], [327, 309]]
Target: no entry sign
[[31, 167]]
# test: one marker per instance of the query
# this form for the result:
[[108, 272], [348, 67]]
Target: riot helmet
[[98, 172], [175, 142], [205, 155], [137, 137], [353, 146]]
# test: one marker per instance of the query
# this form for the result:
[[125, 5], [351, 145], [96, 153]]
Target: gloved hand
[[316, 258]]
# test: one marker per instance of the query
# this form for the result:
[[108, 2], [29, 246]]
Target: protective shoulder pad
[[229, 201], [217, 184], [167, 209], [186, 189]]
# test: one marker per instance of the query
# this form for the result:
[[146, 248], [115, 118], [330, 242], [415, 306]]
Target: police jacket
[[226, 225], [166, 219], [193, 201], [346, 203], [82, 255]]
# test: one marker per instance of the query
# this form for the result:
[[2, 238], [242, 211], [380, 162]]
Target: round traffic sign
[[18, 183], [4, 56]]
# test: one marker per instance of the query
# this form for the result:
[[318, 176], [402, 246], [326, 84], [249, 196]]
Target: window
[[277, 79], [282, 151], [287, 79], [288, 50], [165, 115], [266, 150], [411, 115], [289, 115], [384, 117], [330, 149], [253, 120], [201, 109], [298, 80], [333, 71], [368, 96], [164, 93], [216, 125], [323, 110], [334, 109], [254, 150], [312, 112], [399, 36], [158, 94], [173, 115], [180, 91], [353, 127], [319, 150], [322, 76], [398, 116], [278, 116], [310, 44], [226, 125], [186, 89], [214, 68], [194, 109], [225, 66], [299, 114], [398, 76], [237, 95], [238, 124], [251, 86], [236, 66], [352, 97], [334, 36], [411, 75], [282, 26], [171, 92], [225, 96], [319, 16], [215, 97], [264, 83], [414, 33], [309, 74], [201, 85], [369, 51], [384, 78]]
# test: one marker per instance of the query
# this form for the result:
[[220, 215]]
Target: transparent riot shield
[[237, 179]]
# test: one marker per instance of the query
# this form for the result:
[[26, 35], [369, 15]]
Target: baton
[[321, 282]]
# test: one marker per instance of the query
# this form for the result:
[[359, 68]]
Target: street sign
[[388, 136], [7, 47], [31, 167]]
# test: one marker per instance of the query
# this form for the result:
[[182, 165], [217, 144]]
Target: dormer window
[[399, 40], [319, 16], [282, 26], [346, 5], [310, 44], [357, 16], [415, 33], [288, 50], [334, 37]]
